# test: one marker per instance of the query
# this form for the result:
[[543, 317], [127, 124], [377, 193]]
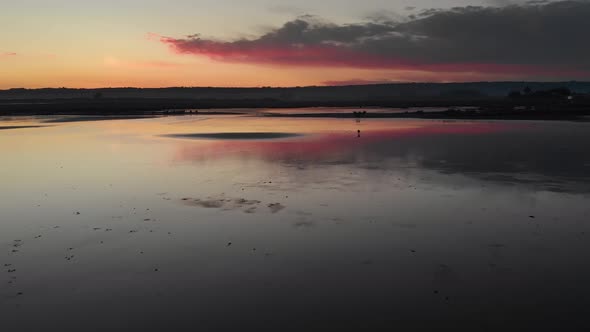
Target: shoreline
[[460, 109]]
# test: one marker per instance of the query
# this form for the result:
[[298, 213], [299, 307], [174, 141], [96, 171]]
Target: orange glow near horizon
[[95, 44], [110, 71]]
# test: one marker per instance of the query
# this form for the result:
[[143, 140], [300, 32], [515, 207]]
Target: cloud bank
[[534, 39]]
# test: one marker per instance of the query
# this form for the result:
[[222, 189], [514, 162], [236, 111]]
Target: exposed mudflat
[[327, 224]]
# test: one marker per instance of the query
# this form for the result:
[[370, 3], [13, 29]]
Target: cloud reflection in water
[[505, 154]]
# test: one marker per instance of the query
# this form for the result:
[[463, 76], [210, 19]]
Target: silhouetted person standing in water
[[358, 133]]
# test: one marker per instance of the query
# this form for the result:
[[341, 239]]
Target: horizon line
[[290, 87]]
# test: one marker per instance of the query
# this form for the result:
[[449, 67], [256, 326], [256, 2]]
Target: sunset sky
[[157, 43]]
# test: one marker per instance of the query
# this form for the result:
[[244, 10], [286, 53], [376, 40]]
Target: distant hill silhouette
[[497, 99], [378, 92]]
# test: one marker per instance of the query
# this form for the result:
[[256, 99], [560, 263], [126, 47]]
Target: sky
[[157, 43]]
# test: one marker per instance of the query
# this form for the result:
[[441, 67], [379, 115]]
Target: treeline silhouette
[[388, 92], [499, 98], [561, 92]]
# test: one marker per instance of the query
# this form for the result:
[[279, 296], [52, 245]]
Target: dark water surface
[[294, 225]]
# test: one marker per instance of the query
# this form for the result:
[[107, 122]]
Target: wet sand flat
[[382, 224]]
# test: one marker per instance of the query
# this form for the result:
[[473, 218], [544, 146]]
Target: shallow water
[[197, 222]]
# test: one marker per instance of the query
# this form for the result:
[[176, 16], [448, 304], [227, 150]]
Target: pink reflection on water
[[322, 145]]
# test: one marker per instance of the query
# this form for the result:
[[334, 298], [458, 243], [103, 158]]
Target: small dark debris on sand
[[208, 204], [227, 204], [243, 201], [250, 210], [276, 207]]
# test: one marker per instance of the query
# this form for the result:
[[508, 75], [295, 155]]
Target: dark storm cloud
[[533, 39]]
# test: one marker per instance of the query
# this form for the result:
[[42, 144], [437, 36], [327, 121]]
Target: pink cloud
[[490, 41], [344, 57], [7, 54]]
